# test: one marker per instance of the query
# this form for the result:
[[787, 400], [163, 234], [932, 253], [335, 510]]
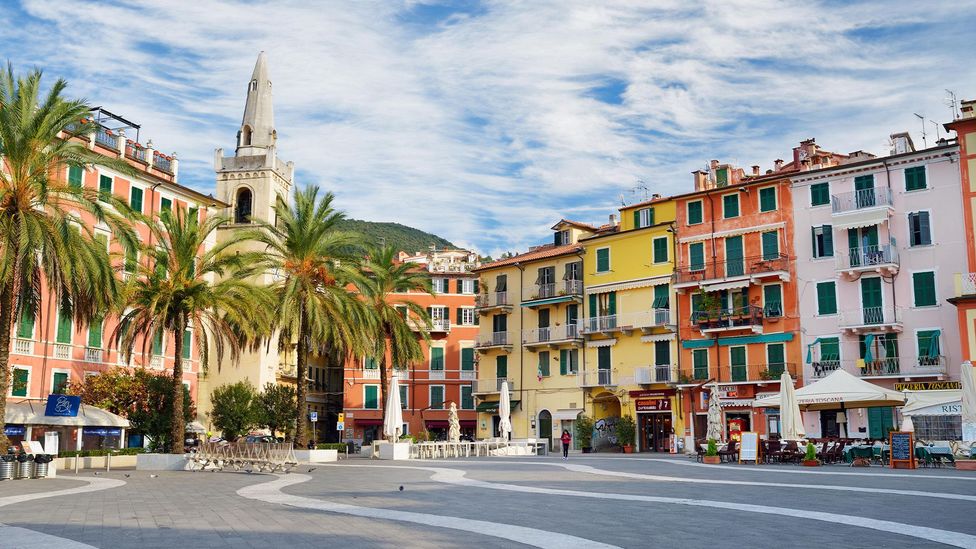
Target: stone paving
[[620, 501]]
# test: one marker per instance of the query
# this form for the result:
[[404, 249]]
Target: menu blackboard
[[902, 446]]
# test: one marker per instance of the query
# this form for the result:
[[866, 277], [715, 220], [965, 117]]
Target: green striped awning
[[698, 343], [491, 407], [547, 301], [759, 338]]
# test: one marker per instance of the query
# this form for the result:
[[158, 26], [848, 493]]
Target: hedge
[[341, 446], [99, 453]]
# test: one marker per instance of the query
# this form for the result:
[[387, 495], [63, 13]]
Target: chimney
[[755, 170], [778, 164], [968, 108], [613, 220], [702, 182], [655, 196], [901, 143], [713, 164]]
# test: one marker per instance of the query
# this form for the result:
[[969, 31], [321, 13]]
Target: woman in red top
[[566, 440]]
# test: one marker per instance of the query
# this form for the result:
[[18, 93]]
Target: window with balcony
[[923, 289], [660, 249], [915, 178], [699, 359], [770, 245], [404, 393], [878, 354], [545, 282], [543, 370], [927, 344], [467, 359], [695, 210], [19, 382], [737, 363], [864, 193], [65, 329], [823, 241], [436, 358], [75, 176], [25, 326], [371, 397], [734, 260], [568, 361], [730, 206], [604, 365], [643, 218], [59, 383], [95, 334], [826, 298], [662, 297], [501, 366], [436, 397], [775, 359], [820, 194], [773, 300], [501, 283], [603, 260], [467, 399], [767, 199], [574, 271], [919, 229], [662, 353], [696, 256]]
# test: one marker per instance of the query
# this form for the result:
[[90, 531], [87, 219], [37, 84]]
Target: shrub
[[104, 452], [712, 449], [340, 446], [811, 452], [584, 430], [234, 411], [626, 431]]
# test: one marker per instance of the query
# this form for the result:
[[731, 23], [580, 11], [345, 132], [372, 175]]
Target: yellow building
[[530, 305], [629, 366]]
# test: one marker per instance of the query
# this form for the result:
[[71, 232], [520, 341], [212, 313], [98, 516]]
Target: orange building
[[49, 352], [737, 311], [965, 283], [445, 375]]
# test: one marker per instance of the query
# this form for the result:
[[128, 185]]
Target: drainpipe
[[581, 362], [522, 393]]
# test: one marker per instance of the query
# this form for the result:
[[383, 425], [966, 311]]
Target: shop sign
[[653, 405], [652, 394], [928, 385], [102, 431], [62, 405], [14, 430], [736, 403]]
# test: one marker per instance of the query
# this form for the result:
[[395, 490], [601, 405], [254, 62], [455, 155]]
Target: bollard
[[108, 462], [76, 462]]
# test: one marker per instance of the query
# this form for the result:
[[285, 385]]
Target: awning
[[547, 301], [601, 343], [566, 415], [761, 338], [368, 422], [933, 403], [839, 390], [698, 343], [492, 407], [437, 424], [725, 285], [658, 337], [31, 412]]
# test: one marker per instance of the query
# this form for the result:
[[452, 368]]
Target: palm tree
[[42, 237], [382, 276], [185, 286], [313, 261]]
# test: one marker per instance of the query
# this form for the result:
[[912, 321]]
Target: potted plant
[[584, 433], [810, 459], [766, 375], [967, 464], [711, 453], [626, 433]]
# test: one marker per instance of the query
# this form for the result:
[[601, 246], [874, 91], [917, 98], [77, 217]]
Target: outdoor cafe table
[[878, 451], [932, 454]]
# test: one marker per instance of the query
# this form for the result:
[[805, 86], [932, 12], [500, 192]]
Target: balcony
[[871, 319], [135, 151], [551, 336], [467, 375], [761, 372], [436, 374], [932, 364], [107, 139], [880, 259], [645, 321], [93, 355], [822, 368], [716, 275], [861, 208], [965, 284], [596, 378], [495, 340], [661, 373], [493, 302], [24, 346], [491, 386], [881, 367], [554, 292], [162, 162], [749, 317], [437, 325], [62, 351], [370, 373], [156, 363]]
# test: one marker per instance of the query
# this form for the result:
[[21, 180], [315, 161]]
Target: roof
[[578, 224], [542, 252], [647, 202], [31, 412]]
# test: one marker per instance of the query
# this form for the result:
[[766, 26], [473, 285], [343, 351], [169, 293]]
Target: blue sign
[[62, 405], [313, 416], [14, 430], [102, 431]]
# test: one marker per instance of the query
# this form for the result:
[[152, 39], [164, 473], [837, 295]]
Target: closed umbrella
[[393, 418], [789, 412], [715, 430], [907, 424], [968, 375], [504, 412], [454, 431]]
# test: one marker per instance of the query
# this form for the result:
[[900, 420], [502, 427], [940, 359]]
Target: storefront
[[488, 418], [936, 415], [736, 404], [65, 422], [655, 420]]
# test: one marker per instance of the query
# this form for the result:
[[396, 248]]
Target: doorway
[[655, 432], [828, 423], [545, 426]]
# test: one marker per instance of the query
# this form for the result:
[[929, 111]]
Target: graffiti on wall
[[605, 433]]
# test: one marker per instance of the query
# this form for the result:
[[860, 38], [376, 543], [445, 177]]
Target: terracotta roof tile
[[542, 252]]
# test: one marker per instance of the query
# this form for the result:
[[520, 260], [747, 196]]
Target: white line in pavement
[[270, 492], [948, 537], [752, 469], [94, 485]]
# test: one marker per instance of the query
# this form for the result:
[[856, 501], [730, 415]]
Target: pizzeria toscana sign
[[928, 386]]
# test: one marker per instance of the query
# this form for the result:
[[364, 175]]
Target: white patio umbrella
[[454, 431], [393, 417], [791, 421], [968, 375], [715, 430], [504, 412]]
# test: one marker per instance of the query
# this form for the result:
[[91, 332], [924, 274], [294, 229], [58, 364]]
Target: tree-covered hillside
[[402, 237]]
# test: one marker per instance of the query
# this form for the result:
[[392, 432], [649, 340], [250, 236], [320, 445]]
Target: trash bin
[[7, 465], [41, 466], [25, 466]]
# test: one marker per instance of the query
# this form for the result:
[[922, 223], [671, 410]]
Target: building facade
[[964, 296]]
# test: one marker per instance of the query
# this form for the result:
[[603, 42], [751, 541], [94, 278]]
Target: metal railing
[[156, 363], [870, 316], [93, 354], [868, 256], [728, 319], [493, 339], [822, 368], [595, 378], [965, 284], [881, 367], [105, 138], [162, 162], [24, 346], [660, 373], [492, 299], [761, 372], [626, 321], [135, 151], [553, 289], [436, 374], [440, 325], [860, 200], [371, 373], [932, 363], [467, 375], [552, 333], [746, 266], [491, 385]]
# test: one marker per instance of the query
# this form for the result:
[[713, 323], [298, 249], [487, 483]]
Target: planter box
[[966, 464], [811, 463], [96, 462], [628, 449], [316, 456], [587, 449], [160, 462], [712, 460], [394, 450]]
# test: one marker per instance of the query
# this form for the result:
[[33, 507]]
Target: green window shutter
[[924, 284], [165, 205], [65, 327], [467, 359], [828, 240], [95, 334], [501, 366], [696, 256], [187, 344], [826, 298], [767, 199], [370, 363], [105, 184], [25, 328], [544, 363], [135, 199], [460, 286], [820, 194], [436, 397], [437, 358], [773, 299], [924, 230], [662, 353], [371, 397], [603, 260], [813, 241], [660, 250], [829, 348], [476, 284], [696, 300], [637, 224], [467, 401], [458, 313], [700, 361], [863, 182], [404, 404], [75, 176], [650, 216], [662, 296], [611, 303], [60, 383], [157, 348], [730, 206], [915, 178], [694, 212], [603, 358], [20, 380], [737, 363], [770, 244], [592, 306], [563, 361]]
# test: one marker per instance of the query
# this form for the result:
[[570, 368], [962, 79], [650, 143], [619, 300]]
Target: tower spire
[[257, 133]]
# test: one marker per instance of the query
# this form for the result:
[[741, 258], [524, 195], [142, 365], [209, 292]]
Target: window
[[466, 316], [467, 398], [74, 176], [829, 349], [467, 359], [436, 397], [770, 245], [660, 246], [696, 256], [767, 199], [696, 301], [662, 297], [928, 347], [776, 358], [603, 260], [436, 358], [187, 344], [104, 185], [827, 298], [819, 194], [544, 364], [242, 210], [730, 206], [20, 382], [574, 271], [700, 360], [404, 404], [25, 327], [467, 285], [924, 289], [65, 328], [370, 363], [501, 366], [437, 313], [568, 361], [695, 212], [157, 347], [59, 383], [643, 218], [135, 199], [402, 309], [561, 238], [737, 363], [501, 283], [371, 397], [915, 178], [919, 232], [773, 300], [603, 361], [823, 241], [165, 205], [95, 334], [662, 353]]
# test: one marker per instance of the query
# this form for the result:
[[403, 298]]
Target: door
[[545, 426], [864, 191], [828, 424], [544, 324], [871, 300], [733, 256], [603, 365], [572, 317], [661, 432], [737, 361]]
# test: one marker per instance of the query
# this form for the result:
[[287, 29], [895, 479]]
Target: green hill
[[402, 237]]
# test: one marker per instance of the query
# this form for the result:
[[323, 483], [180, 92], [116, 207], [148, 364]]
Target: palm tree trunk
[[301, 426], [6, 316], [177, 427], [384, 383]]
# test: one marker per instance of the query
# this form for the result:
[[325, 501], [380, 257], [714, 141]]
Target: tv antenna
[[952, 103], [922, 119]]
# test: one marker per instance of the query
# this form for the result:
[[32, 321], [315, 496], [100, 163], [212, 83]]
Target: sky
[[486, 122]]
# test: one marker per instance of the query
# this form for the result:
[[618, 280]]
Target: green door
[[871, 300], [603, 365], [501, 366], [733, 256], [864, 191], [737, 361], [879, 421]]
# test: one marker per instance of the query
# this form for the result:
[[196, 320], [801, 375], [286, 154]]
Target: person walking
[[566, 439]]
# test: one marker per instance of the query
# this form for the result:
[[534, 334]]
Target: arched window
[[242, 211], [246, 136]]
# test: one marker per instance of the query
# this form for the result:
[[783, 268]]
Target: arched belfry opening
[[246, 136], [243, 206]]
